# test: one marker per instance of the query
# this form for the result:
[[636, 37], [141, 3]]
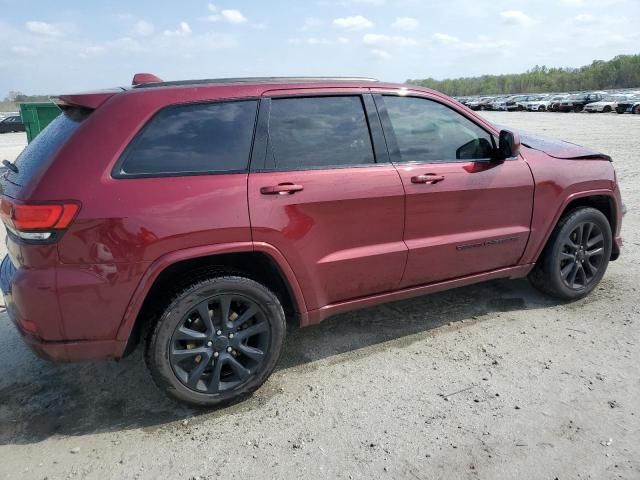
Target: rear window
[[43, 148], [193, 139]]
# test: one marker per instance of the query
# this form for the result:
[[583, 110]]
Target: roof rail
[[159, 83]]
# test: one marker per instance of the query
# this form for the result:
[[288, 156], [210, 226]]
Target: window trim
[[118, 174], [374, 128], [392, 141]]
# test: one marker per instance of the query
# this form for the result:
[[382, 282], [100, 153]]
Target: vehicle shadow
[[39, 399]]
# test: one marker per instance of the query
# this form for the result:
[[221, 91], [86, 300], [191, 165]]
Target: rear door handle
[[281, 189], [427, 178]]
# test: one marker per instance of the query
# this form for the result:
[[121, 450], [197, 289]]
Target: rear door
[[323, 192], [464, 213]]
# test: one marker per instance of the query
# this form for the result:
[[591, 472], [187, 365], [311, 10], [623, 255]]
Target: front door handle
[[281, 189], [427, 178]]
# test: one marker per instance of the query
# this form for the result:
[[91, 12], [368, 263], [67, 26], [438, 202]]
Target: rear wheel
[[217, 341], [576, 256], [577, 108], [606, 109], [636, 110]]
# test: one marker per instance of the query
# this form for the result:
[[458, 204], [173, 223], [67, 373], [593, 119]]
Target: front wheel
[[217, 341], [576, 256]]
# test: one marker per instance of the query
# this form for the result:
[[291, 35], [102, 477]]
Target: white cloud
[[43, 28], [309, 24], [317, 41], [357, 22], [370, 2], [379, 53], [481, 42], [233, 16], [516, 17], [405, 23], [444, 38], [374, 39], [183, 29], [143, 28], [228, 15]]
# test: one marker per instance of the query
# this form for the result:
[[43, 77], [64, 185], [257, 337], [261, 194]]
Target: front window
[[428, 132]]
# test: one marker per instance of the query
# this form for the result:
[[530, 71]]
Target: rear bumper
[[80, 351], [34, 311]]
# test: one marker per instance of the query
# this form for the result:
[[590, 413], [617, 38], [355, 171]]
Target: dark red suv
[[197, 216]]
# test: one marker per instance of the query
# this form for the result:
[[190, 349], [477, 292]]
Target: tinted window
[[41, 150], [318, 132], [427, 131], [194, 139]]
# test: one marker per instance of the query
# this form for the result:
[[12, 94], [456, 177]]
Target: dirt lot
[[493, 381]]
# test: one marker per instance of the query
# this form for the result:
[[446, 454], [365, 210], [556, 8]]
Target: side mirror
[[508, 145]]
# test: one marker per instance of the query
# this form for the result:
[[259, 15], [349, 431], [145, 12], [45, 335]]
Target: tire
[[636, 110], [197, 358], [541, 108], [577, 109], [607, 109], [554, 271]]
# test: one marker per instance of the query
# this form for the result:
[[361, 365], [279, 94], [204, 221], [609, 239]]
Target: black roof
[[254, 80]]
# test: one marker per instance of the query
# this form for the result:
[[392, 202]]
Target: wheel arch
[[602, 200], [259, 261]]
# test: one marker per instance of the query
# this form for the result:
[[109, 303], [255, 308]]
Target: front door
[[465, 214], [325, 195]]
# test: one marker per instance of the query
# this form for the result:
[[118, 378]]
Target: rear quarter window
[[192, 139]]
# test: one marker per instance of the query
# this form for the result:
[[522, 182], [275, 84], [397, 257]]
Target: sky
[[58, 46]]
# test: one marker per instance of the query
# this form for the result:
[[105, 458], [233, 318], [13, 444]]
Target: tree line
[[622, 71]]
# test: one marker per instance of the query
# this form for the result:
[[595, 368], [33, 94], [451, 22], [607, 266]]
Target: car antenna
[[10, 166]]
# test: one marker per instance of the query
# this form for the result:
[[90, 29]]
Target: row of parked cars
[[592, 102]]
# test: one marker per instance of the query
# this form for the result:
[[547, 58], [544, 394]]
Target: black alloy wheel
[[217, 340], [219, 343], [582, 255], [576, 255]]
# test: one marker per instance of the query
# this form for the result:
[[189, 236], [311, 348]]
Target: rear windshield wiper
[[10, 166]]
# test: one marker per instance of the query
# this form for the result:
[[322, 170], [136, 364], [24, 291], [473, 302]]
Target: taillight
[[37, 221]]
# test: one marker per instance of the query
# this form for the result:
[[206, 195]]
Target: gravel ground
[[492, 381]]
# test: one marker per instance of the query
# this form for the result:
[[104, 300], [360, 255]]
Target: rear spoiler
[[91, 100]]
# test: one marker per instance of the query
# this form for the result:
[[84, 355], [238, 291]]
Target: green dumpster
[[36, 116]]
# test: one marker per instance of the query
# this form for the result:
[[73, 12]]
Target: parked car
[[577, 102], [12, 124], [532, 99], [607, 104], [483, 103], [209, 215], [630, 105], [544, 104]]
